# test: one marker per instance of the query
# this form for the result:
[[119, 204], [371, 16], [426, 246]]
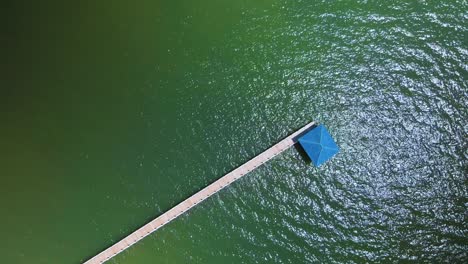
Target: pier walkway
[[198, 197]]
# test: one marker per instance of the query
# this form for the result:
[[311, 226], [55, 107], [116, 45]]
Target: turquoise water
[[114, 112]]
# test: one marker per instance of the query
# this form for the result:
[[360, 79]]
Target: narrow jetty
[[198, 197]]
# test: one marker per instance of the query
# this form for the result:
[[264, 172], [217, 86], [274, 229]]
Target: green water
[[113, 112]]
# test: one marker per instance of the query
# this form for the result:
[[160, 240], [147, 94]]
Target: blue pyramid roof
[[319, 145]]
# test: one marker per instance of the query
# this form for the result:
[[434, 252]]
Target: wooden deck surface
[[198, 197]]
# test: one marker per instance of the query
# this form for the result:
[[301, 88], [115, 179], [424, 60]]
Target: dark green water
[[113, 112]]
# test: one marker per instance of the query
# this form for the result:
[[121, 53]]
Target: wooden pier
[[198, 197]]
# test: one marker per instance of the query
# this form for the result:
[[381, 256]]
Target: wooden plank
[[198, 197]]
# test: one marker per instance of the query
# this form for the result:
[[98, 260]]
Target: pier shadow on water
[[302, 153]]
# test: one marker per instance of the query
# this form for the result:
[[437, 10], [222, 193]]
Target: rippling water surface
[[113, 113]]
